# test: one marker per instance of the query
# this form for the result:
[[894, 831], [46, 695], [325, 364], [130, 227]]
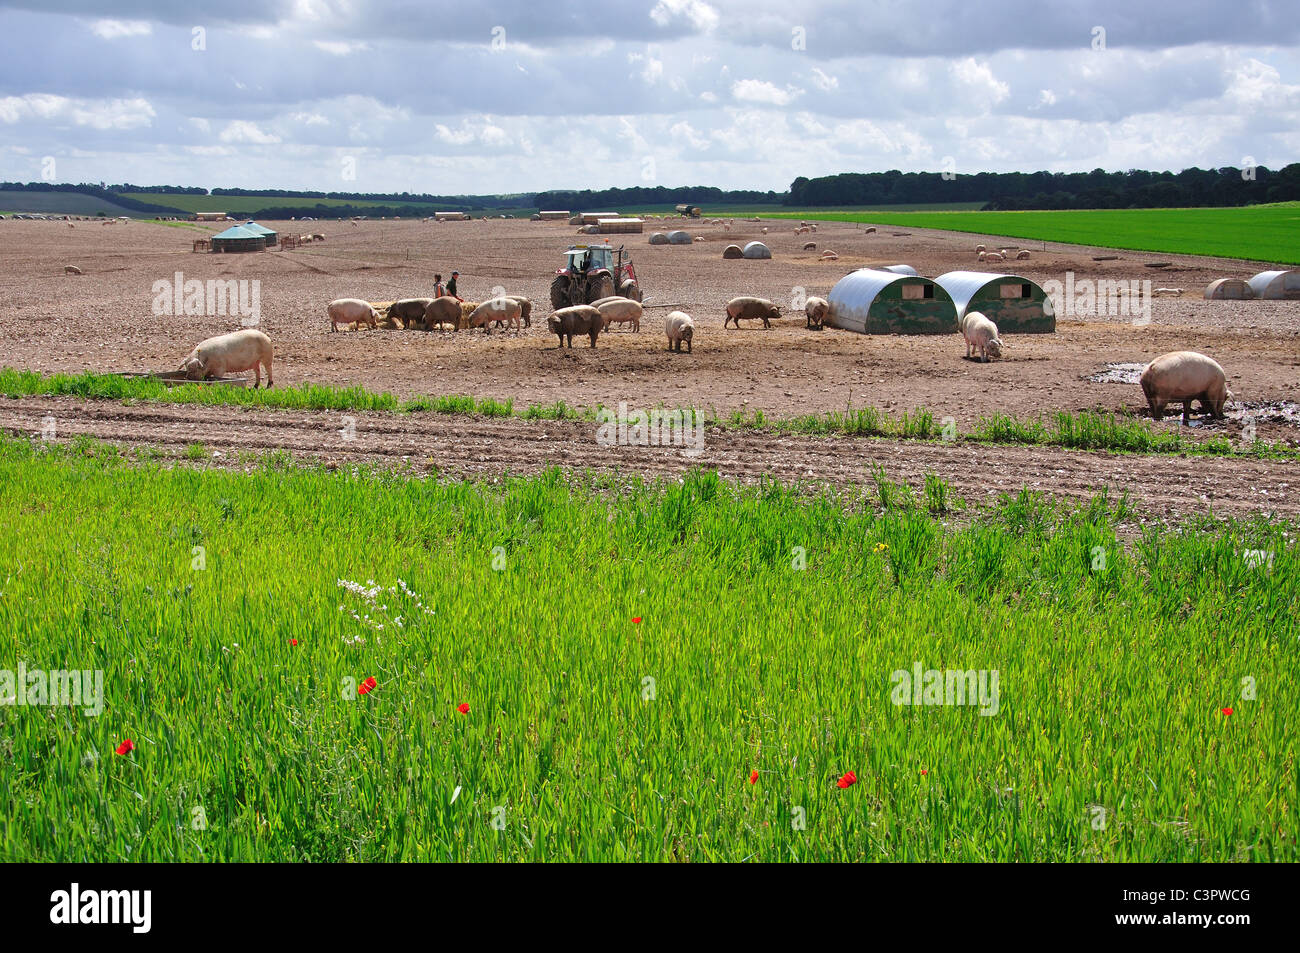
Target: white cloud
[[241, 130], [116, 29], [339, 47], [700, 15], [761, 91], [824, 82], [101, 114], [979, 78]]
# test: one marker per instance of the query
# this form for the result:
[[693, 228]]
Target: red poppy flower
[[463, 708], [1226, 711], [293, 641], [368, 686], [125, 746], [848, 780], [924, 771], [636, 620], [753, 778]]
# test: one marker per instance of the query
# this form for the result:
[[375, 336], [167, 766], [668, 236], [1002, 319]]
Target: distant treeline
[[85, 188], [159, 189], [452, 203], [616, 199], [997, 190], [283, 212], [1191, 188]]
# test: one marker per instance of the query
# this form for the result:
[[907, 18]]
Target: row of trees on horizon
[[1135, 188]]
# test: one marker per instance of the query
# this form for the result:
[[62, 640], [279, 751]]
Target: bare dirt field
[[103, 320]]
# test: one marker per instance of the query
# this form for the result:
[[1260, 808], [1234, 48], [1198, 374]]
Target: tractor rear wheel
[[599, 286], [560, 292]]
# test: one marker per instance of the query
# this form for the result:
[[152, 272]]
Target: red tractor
[[592, 272]]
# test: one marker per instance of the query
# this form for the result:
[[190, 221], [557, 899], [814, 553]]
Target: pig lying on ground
[[579, 319], [1185, 376], [228, 354]]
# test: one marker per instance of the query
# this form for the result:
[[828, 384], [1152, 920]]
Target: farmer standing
[[451, 286]]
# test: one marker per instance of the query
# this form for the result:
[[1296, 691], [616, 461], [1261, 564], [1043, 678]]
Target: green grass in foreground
[[1257, 232], [1084, 431], [770, 628]]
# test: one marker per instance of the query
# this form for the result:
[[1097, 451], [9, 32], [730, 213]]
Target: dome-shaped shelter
[[269, 234], [1013, 303], [870, 301], [238, 238], [1228, 289], [679, 238], [658, 238], [733, 251], [756, 250], [1276, 285], [899, 269]]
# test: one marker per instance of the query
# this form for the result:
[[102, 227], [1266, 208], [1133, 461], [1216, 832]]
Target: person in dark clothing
[[451, 286]]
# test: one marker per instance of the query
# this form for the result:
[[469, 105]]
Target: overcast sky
[[521, 95]]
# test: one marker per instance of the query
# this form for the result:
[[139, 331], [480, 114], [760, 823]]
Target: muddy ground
[[103, 320]]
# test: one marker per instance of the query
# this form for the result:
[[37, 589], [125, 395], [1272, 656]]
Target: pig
[[619, 311], [980, 334], [579, 319], [409, 310], [679, 327], [750, 307], [351, 311], [1185, 376], [497, 309], [442, 312], [816, 310], [224, 354]]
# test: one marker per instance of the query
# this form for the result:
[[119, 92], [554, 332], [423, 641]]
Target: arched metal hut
[[1276, 284], [898, 269], [238, 238], [1234, 289], [1015, 304], [881, 302]]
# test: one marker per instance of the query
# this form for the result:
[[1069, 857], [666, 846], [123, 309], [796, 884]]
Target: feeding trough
[[172, 378]]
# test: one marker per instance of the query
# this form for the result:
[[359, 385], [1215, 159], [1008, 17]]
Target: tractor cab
[[581, 259]]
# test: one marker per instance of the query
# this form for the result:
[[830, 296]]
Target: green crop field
[[568, 668], [1265, 233]]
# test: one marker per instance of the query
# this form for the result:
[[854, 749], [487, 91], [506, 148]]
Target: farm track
[[485, 448]]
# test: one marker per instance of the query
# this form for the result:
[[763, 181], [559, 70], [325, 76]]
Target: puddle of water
[[1266, 411], [1118, 374]]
